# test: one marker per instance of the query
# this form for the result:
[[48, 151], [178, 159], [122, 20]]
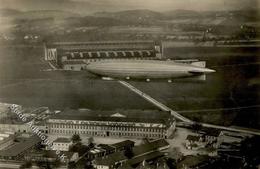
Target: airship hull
[[144, 69]]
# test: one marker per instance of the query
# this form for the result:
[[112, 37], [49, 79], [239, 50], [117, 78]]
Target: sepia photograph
[[129, 84]]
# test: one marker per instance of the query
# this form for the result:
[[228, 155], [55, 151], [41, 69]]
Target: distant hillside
[[93, 21], [247, 15], [182, 14], [9, 12], [141, 17], [42, 14], [133, 16]]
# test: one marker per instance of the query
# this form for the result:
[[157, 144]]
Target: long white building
[[128, 124]]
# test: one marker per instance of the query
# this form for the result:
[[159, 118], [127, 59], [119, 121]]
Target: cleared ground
[[23, 82]]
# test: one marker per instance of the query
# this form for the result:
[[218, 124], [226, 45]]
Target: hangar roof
[[64, 44]]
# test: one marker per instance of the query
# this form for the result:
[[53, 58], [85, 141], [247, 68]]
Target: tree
[[250, 150], [175, 154], [26, 164], [45, 165], [56, 163], [129, 153], [196, 127], [90, 140], [171, 163], [79, 148], [75, 147], [88, 164], [39, 147], [72, 165], [75, 138], [144, 141]]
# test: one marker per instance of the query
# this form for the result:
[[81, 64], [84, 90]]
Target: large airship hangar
[[122, 60], [76, 55]]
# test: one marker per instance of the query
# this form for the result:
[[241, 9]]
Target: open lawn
[[23, 82]]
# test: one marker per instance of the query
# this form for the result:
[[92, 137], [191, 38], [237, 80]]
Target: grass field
[[23, 82]]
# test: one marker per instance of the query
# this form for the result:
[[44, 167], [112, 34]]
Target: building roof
[[146, 157], [231, 153], [144, 165], [160, 143], [7, 138], [62, 140], [192, 161], [142, 116], [111, 159], [235, 134], [225, 145], [49, 154], [161, 163], [125, 166], [96, 150], [20, 147], [210, 132], [39, 110], [193, 138], [149, 147], [141, 152], [106, 147], [123, 144]]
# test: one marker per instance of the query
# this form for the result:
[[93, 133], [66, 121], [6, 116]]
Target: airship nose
[[209, 71], [90, 67], [202, 70]]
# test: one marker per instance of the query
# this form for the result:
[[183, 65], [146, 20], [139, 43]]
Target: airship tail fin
[[201, 77], [199, 63]]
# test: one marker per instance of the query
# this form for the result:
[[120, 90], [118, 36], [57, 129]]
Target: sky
[[90, 6]]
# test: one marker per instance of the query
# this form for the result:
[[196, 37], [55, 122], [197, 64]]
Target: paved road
[[155, 102], [180, 117], [248, 131]]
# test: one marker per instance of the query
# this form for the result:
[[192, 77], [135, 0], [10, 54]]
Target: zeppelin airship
[[147, 69]]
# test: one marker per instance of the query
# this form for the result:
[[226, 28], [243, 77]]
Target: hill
[[141, 16], [93, 21], [9, 12], [32, 15], [182, 14]]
